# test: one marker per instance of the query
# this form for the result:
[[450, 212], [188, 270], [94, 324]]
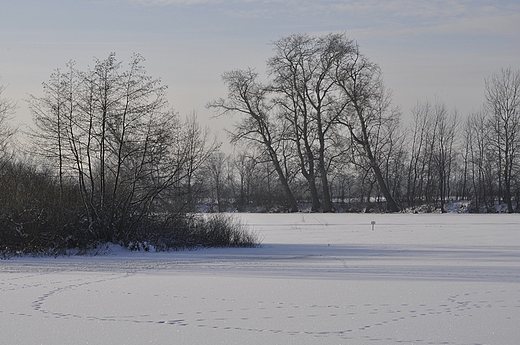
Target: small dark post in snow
[[373, 224]]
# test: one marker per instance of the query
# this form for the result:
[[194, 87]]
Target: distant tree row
[[325, 123]]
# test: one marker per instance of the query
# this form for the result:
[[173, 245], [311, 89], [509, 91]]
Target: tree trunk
[[327, 202], [293, 205], [391, 205], [314, 194]]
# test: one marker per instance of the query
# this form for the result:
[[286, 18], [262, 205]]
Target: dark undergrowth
[[182, 232], [40, 219]]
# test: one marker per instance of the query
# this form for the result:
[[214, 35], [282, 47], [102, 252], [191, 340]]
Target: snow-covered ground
[[317, 279]]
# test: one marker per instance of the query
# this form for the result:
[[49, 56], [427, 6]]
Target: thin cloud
[[175, 2], [389, 18], [422, 10]]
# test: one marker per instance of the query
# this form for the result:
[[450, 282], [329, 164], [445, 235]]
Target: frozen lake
[[317, 279]]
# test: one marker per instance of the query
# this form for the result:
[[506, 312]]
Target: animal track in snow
[[345, 321]]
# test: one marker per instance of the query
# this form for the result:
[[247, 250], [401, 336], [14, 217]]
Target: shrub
[[38, 217], [198, 231]]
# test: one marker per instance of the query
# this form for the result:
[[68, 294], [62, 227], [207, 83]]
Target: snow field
[[317, 279]]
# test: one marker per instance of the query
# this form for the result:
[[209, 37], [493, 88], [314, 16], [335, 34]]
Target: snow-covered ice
[[317, 279]]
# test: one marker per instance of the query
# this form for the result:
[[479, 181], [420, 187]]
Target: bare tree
[[52, 116], [366, 105], [199, 150], [258, 126], [389, 144], [321, 89], [7, 108], [305, 91], [417, 146], [244, 167], [503, 105], [432, 153], [216, 173], [481, 164], [444, 151], [112, 129]]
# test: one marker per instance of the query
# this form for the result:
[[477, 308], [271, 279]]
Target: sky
[[427, 49]]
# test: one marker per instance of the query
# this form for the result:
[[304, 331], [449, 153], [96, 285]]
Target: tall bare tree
[[503, 105], [362, 87], [481, 167], [321, 88], [301, 72], [112, 130], [7, 108], [199, 150], [388, 143], [216, 172], [258, 125], [52, 114], [432, 153], [444, 151]]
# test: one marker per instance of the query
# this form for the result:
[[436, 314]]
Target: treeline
[[107, 162], [321, 134]]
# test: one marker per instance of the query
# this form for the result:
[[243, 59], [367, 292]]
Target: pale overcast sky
[[426, 48]]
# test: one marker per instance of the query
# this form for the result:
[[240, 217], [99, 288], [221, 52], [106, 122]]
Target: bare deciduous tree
[[361, 84], [480, 160], [305, 91], [258, 125], [321, 89], [443, 151], [111, 129], [503, 105], [216, 173], [7, 108], [199, 150], [432, 153]]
